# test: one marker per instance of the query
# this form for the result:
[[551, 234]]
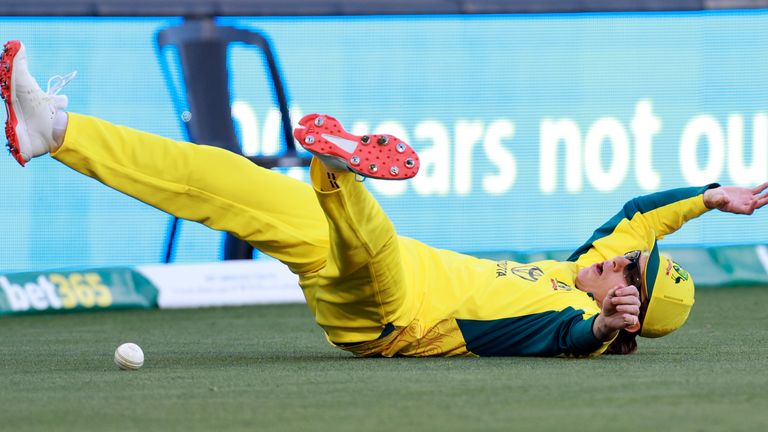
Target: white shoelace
[[57, 82]]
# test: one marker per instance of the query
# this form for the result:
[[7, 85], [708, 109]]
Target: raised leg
[[362, 291], [278, 215]]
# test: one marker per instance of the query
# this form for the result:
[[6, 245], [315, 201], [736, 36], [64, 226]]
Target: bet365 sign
[[103, 289]]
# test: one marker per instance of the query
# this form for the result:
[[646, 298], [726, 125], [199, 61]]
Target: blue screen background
[[651, 100]]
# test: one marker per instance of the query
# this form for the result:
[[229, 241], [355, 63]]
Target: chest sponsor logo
[[530, 272]]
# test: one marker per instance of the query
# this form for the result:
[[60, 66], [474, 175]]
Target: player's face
[[623, 270]]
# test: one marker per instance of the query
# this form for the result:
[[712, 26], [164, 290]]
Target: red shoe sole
[[376, 156], [10, 49]]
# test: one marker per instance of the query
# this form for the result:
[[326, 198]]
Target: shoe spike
[[383, 140]]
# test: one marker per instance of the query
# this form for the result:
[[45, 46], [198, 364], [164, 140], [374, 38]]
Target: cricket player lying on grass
[[375, 293]]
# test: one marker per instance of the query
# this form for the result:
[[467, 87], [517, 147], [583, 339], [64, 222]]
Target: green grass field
[[269, 368]]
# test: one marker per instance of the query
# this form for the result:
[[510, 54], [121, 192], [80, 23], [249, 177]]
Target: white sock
[[60, 122]]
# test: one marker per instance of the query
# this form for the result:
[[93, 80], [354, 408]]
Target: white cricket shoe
[[29, 127]]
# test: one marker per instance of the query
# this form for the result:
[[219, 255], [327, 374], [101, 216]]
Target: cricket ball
[[129, 356]]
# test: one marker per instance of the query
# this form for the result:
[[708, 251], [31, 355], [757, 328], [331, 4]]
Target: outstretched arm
[[735, 199], [659, 214], [663, 213]]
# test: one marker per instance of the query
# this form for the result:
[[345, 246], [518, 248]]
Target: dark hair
[[625, 343]]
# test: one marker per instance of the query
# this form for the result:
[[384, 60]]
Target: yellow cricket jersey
[[372, 292], [480, 307]]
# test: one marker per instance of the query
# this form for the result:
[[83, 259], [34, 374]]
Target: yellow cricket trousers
[[333, 234]]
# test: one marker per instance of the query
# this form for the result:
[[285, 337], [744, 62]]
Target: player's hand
[[735, 199], [620, 310]]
